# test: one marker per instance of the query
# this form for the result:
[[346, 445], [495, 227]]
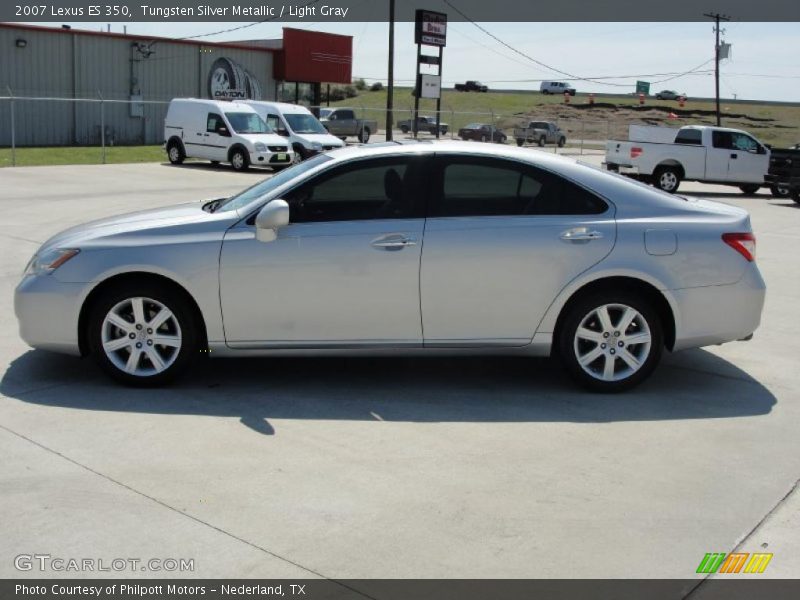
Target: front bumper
[[47, 311], [271, 158]]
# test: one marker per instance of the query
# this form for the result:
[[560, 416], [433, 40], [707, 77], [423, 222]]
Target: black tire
[[779, 192], [520, 142], [542, 141], [546, 92], [404, 128], [239, 159], [182, 312], [175, 152], [658, 97], [667, 179], [363, 135], [580, 313], [561, 142], [750, 189], [795, 194]]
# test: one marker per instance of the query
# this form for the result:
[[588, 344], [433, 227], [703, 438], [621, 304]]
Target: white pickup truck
[[697, 153]]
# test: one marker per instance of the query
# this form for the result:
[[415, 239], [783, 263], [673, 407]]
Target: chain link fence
[[97, 127]]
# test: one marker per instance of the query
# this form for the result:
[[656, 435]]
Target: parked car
[[342, 123], [669, 95], [220, 131], [471, 86], [426, 123], [298, 125], [540, 132], [556, 87], [783, 175], [482, 132], [526, 254], [708, 154]]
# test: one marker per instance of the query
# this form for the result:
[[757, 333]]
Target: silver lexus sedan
[[427, 248]]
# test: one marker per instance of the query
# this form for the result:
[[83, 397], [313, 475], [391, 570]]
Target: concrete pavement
[[392, 468]]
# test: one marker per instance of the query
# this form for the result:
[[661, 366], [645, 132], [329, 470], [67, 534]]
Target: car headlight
[[316, 146], [260, 147], [49, 261]]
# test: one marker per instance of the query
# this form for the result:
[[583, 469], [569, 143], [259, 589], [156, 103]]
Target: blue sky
[[763, 66]]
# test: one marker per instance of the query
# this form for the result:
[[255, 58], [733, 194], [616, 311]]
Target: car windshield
[[539, 125], [243, 122], [263, 188], [302, 123]]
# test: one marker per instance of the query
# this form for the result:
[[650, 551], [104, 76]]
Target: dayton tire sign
[[229, 80]]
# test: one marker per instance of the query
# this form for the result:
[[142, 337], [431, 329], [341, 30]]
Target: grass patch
[[81, 155], [610, 116]]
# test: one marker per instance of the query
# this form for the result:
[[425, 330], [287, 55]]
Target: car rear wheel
[[142, 335], [611, 341], [561, 142], [795, 194], [667, 179], [542, 141], [175, 153], [779, 192], [363, 135], [750, 189], [404, 129], [520, 142]]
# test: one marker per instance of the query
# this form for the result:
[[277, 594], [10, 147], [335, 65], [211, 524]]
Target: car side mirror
[[762, 149], [282, 132], [223, 131], [272, 217]]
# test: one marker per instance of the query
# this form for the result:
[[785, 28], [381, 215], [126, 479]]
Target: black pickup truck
[[471, 86], [783, 176]]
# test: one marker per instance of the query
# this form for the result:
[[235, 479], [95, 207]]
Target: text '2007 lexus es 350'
[[428, 248]]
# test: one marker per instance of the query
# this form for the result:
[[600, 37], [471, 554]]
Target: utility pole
[[390, 84], [717, 18]]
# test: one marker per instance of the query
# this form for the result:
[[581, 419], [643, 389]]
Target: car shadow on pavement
[[693, 384]]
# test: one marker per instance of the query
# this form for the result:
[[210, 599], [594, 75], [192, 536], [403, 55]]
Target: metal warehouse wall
[[79, 65]]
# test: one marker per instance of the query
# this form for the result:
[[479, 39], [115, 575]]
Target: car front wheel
[[611, 341], [749, 189], [142, 335], [239, 160]]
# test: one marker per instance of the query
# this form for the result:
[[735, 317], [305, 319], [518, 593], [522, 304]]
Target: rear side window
[[689, 136], [721, 139], [490, 187]]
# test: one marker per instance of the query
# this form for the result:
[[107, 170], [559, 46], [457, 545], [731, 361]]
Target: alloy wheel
[[141, 336], [612, 342]]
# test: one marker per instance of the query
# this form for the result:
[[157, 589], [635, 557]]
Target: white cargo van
[[556, 87], [306, 135], [222, 131]]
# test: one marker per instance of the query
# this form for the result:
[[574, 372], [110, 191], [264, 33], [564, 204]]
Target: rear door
[[502, 239]]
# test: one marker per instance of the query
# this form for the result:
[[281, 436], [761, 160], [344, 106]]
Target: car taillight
[[743, 243], [636, 152]]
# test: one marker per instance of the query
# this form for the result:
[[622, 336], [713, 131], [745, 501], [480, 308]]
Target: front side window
[[722, 139], [243, 122], [344, 115], [274, 122], [214, 122], [481, 187], [743, 142], [375, 189]]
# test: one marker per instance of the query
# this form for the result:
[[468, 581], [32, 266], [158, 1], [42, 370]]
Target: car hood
[[326, 139], [149, 224], [270, 139]]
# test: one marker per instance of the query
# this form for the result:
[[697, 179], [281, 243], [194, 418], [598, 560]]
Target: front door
[[343, 273], [501, 241]]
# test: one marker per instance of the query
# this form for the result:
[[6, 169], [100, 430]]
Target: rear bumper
[[719, 313]]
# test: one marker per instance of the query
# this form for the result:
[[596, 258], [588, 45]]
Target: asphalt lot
[[393, 468]]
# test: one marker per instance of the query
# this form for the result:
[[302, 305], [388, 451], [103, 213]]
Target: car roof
[[284, 107], [223, 105]]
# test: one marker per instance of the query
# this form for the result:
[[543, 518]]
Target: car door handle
[[580, 235], [394, 242], [734, 156]]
